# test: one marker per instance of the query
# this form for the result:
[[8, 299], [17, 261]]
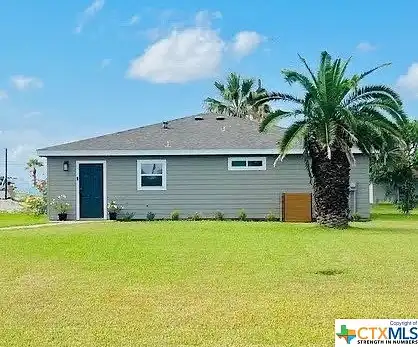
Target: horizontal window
[[250, 163], [151, 174]]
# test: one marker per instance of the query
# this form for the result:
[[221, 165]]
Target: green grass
[[20, 218], [202, 283], [387, 211]]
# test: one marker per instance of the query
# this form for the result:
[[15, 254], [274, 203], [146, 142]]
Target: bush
[[195, 217], [408, 200], [271, 217], [219, 215], [60, 204], [356, 217], [150, 216], [242, 215], [175, 215], [113, 207], [35, 205], [126, 216]]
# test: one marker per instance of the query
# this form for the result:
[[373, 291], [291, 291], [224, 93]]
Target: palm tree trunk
[[34, 176], [331, 187]]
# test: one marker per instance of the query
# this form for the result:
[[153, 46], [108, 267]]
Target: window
[[250, 163], [151, 174]]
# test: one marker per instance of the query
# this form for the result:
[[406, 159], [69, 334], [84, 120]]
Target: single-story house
[[202, 163], [383, 192]]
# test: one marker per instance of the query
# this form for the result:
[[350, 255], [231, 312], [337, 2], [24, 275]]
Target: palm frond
[[295, 132], [275, 116], [246, 86], [303, 60], [366, 73], [371, 92], [215, 106], [291, 77], [276, 96], [220, 87]]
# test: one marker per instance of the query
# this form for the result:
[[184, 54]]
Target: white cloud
[[152, 34], [409, 81], [3, 95], [366, 47], [22, 82], [105, 63], [245, 42], [95, 7], [31, 114], [204, 18], [88, 14], [185, 55]]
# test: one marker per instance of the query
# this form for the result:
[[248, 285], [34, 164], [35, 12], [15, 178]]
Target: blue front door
[[91, 190]]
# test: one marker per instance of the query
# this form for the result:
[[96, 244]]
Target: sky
[[81, 68]]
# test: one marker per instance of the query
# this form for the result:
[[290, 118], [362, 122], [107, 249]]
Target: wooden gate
[[297, 207]]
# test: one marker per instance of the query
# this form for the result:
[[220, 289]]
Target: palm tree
[[237, 98], [334, 115], [32, 165], [396, 165]]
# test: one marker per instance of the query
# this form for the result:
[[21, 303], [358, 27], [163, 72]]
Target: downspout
[[353, 188]]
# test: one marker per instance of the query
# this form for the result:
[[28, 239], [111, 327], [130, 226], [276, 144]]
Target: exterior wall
[[383, 193], [201, 184]]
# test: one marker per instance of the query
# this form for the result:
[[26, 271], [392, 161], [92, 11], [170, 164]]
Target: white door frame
[[77, 185]]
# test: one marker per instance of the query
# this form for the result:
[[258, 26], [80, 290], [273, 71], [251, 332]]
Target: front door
[[91, 190]]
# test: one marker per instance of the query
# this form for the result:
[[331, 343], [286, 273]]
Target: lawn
[[202, 283], [20, 218]]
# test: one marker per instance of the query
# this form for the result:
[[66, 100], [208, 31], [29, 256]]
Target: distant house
[[202, 163], [383, 192]]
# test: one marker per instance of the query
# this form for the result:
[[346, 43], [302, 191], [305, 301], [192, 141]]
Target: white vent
[[198, 118]]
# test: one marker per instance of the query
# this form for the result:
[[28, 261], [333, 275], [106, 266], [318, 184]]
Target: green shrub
[[36, 205], [150, 216], [60, 204], [242, 215], [196, 216], [175, 215], [219, 215], [356, 217], [271, 217], [126, 216], [408, 200]]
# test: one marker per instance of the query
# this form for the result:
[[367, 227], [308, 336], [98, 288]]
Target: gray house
[[381, 193], [199, 164]]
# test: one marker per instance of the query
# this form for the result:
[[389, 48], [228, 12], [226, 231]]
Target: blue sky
[[75, 69]]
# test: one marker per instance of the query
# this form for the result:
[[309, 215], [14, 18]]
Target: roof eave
[[165, 152]]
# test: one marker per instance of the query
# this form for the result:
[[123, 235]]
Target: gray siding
[[201, 184], [382, 193]]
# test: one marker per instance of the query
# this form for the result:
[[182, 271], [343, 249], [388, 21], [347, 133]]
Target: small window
[[151, 174], [250, 163]]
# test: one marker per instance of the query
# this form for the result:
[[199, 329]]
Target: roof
[[200, 134]]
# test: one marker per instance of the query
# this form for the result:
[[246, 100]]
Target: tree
[[396, 166], [237, 98], [33, 165], [334, 115]]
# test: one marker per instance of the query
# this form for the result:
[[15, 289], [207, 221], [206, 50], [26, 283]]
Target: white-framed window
[[247, 163], [151, 174]]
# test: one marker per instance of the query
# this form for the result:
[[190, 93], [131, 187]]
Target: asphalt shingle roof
[[183, 134]]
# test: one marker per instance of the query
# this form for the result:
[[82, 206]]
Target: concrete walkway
[[50, 224]]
